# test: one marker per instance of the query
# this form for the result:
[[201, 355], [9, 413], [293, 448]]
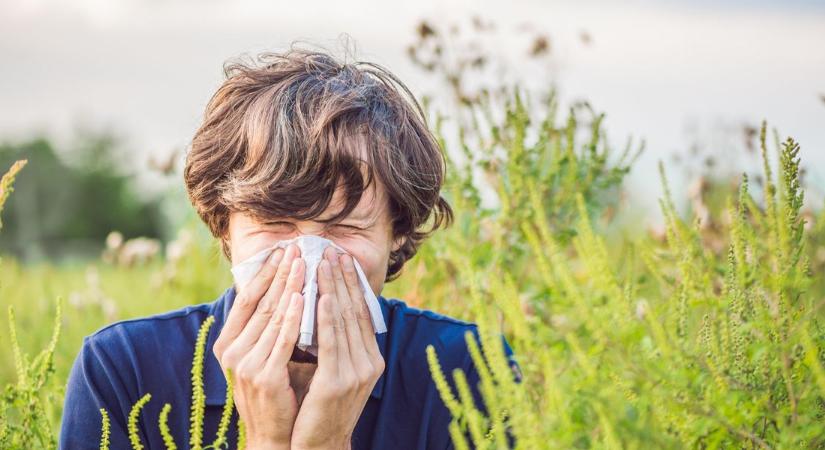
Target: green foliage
[[197, 407], [134, 414], [104, 429], [706, 336], [163, 421], [663, 344], [527, 167], [226, 415], [72, 197], [198, 396], [7, 184], [24, 418], [28, 405]]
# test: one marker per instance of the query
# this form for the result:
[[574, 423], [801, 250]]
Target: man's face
[[366, 233]]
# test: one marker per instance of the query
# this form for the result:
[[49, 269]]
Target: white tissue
[[312, 251]]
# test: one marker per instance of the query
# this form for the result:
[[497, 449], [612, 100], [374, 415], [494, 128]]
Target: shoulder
[[151, 329], [411, 371], [122, 361], [424, 326], [132, 346], [136, 355], [414, 329]]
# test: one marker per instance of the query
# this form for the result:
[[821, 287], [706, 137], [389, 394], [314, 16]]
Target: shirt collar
[[213, 378]]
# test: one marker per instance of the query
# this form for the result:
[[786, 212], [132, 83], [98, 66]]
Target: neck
[[300, 374]]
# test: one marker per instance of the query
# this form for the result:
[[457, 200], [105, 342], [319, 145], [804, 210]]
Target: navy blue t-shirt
[[121, 362]]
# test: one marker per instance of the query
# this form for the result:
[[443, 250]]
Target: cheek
[[247, 246], [372, 257]]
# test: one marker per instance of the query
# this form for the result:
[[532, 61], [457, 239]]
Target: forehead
[[306, 187], [371, 204], [373, 199]]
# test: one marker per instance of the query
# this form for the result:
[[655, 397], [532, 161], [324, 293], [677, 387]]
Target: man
[[300, 144]]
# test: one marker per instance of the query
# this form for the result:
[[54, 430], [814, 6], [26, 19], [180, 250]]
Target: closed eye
[[279, 223], [348, 227]]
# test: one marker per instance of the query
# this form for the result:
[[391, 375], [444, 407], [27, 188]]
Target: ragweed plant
[[163, 421], [105, 429], [663, 345], [27, 425], [25, 409], [703, 337], [527, 165], [197, 407], [198, 396], [7, 184], [134, 414], [26, 405]]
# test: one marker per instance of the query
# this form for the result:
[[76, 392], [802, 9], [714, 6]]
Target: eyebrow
[[367, 219], [364, 216]]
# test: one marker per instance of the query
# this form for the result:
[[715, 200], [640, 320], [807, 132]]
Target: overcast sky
[[669, 72]]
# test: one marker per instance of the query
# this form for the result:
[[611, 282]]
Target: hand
[[349, 361], [256, 342]]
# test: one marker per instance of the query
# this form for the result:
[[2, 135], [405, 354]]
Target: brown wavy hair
[[281, 134]]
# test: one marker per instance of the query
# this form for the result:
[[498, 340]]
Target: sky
[[673, 73]]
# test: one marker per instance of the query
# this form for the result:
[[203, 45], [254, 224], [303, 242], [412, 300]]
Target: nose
[[311, 227]]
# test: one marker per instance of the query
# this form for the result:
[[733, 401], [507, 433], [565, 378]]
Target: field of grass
[[706, 335]]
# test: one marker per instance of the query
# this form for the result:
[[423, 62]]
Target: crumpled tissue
[[312, 251]]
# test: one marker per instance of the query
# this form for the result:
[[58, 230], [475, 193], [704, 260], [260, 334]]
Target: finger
[[288, 336], [262, 343], [283, 300], [345, 303], [359, 305], [326, 284], [294, 283], [325, 327], [247, 299], [360, 357], [290, 274], [351, 348], [327, 348], [282, 277], [257, 357]]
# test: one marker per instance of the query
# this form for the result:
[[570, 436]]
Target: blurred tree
[[70, 200]]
